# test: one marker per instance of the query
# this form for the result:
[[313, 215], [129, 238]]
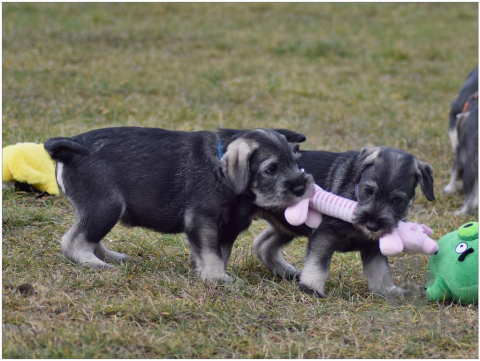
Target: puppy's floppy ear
[[424, 172], [292, 137], [236, 164], [367, 157]]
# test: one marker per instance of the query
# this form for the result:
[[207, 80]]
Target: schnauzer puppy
[[463, 133], [382, 181], [206, 184]]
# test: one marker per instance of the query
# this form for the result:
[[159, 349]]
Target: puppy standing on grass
[[463, 133], [205, 184], [382, 181]]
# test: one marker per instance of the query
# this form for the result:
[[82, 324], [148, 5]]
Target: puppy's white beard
[[272, 202], [268, 202]]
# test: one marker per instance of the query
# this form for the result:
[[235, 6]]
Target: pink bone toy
[[407, 237]]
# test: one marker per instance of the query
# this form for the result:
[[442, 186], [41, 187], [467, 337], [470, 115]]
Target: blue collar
[[220, 151]]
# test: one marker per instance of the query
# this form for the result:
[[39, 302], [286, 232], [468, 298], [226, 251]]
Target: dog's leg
[[105, 254], [456, 181], [211, 265], [81, 244], [470, 203], [239, 219], [78, 250], [314, 275], [470, 183], [453, 135], [202, 234], [268, 246], [226, 250], [378, 273]]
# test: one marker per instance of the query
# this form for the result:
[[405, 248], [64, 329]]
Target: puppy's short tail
[[63, 149]]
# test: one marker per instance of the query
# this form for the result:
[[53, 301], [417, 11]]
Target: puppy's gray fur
[[385, 178]]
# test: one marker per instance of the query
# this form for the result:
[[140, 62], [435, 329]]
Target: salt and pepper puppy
[[206, 184], [382, 181], [463, 133]]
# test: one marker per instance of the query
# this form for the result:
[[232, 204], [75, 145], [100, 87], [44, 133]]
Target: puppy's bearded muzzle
[[300, 186], [374, 225]]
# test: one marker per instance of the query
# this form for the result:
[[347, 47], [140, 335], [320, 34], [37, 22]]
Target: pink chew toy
[[407, 237]]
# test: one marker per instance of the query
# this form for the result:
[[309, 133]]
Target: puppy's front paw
[[399, 293], [223, 278], [310, 291], [461, 212], [104, 266], [290, 273], [449, 189]]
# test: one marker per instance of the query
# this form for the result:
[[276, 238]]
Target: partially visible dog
[[206, 184], [463, 133], [383, 181], [469, 88]]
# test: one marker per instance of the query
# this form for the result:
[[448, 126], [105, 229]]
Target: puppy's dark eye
[[272, 168], [368, 191], [397, 200]]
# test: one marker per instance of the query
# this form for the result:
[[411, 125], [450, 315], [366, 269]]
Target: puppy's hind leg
[[456, 182], [470, 181], [105, 254], [78, 250], [268, 246], [82, 243], [470, 203]]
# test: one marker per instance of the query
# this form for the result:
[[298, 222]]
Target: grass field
[[346, 75]]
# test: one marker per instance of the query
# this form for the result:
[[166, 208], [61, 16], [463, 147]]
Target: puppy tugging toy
[[407, 237]]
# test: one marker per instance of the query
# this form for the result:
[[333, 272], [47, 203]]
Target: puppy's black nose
[[372, 226], [298, 190]]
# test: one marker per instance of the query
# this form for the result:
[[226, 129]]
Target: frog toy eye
[[461, 247]]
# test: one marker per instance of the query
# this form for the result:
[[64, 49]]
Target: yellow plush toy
[[30, 163]]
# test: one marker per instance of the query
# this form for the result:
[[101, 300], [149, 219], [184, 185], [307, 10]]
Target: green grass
[[347, 75]]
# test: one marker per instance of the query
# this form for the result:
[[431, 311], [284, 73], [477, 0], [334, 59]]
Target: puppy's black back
[[325, 168], [150, 169]]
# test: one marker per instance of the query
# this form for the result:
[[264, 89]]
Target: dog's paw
[[400, 293], [449, 189], [105, 254], [310, 291], [290, 274], [118, 258], [462, 212], [222, 278], [97, 266]]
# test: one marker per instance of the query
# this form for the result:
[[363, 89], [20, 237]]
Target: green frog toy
[[453, 270]]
